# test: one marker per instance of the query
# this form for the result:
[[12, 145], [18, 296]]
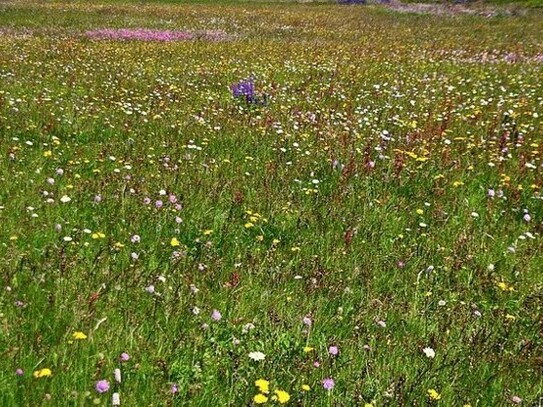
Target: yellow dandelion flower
[[207, 232], [249, 225], [43, 373], [433, 394], [47, 153], [79, 335], [308, 349], [174, 242], [260, 399], [263, 385], [282, 396], [502, 285], [305, 387]]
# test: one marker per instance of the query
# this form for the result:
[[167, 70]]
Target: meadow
[[252, 203]]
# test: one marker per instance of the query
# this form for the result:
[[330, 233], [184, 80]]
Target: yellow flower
[[174, 242], [207, 232], [47, 153], [282, 396], [305, 387], [260, 399], [433, 394], [420, 211], [502, 285], [368, 405], [263, 385], [43, 373], [249, 225], [79, 335], [308, 349]]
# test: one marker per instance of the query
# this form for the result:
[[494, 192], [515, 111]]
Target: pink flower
[[328, 383], [333, 350], [216, 315], [102, 386]]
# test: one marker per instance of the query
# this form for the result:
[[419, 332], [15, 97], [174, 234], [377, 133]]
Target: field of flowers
[[248, 203]]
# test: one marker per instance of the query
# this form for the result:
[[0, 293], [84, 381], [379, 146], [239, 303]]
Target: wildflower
[[174, 389], [333, 350], [433, 394], [216, 315], [282, 396], [79, 335], [125, 357], [328, 383], [135, 239], [150, 289], [102, 386], [43, 373], [307, 321], [308, 349], [516, 399], [257, 356], [260, 399], [316, 364], [117, 375], [305, 387], [65, 199], [263, 385], [174, 242], [19, 372], [429, 352], [115, 399]]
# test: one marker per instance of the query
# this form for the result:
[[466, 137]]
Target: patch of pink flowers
[[140, 34], [147, 34]]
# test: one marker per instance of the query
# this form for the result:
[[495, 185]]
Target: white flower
[[65, 199], [429, 352], [257, 356]]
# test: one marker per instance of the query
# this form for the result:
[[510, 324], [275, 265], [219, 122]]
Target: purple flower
[[146, 200], [98, 198], [216, 315], [245, 88], [172, 199], [328, 383], [125, 357], [307, 321], [19, 372], [174, 389], [491, 193], [333, 350], [527, 217], [150, 289], [102, 386], [158, 204]]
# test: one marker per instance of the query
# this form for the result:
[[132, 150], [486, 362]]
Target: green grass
[[357, 197]]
